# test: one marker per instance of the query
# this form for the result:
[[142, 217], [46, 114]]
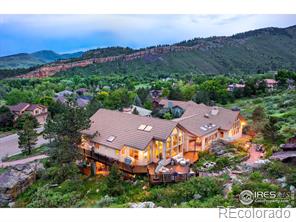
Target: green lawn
[[37, 151], [7, 133]]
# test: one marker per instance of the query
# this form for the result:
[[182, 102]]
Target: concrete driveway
[[9, 144]]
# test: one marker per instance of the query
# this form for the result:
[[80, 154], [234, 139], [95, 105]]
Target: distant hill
[[254, 51], [26, 60]]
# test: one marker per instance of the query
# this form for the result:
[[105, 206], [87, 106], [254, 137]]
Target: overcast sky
[[70, 33]]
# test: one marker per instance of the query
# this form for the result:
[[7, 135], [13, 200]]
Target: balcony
[[110, 161]]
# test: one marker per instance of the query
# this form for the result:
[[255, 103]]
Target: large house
[[36, 110], [137, 142]]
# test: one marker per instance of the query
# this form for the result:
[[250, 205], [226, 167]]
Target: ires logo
[[248, 197]]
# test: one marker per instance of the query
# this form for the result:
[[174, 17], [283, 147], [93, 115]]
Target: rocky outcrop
[[147, 204], [16, 180], [53, 68], [218, 147]]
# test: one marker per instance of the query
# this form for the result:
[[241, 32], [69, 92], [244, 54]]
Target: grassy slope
[[19, 61], [280, 105]]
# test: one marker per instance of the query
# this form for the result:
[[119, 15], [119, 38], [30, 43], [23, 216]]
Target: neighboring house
[[64, 93], [61, 99], [137, 143], [81, 91], [38, 111], [270, 83], [234, 86], [81, 100], [141, 111]]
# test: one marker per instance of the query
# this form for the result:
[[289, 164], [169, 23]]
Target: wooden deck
[[110, 161], [177, 173], [192, 156]]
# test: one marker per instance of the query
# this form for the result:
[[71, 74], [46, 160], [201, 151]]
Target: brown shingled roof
[[18, 107], [34, 106], [195, 114], [124, 127], [25, 107]]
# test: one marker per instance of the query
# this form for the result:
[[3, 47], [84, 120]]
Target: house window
[[122, 151], [158, 149], [147, 153], [168, 143], [180, 137], [175, 151], [134, 154], [175, 139], [168, 153]]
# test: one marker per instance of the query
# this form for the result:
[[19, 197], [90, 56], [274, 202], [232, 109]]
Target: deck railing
[[110, 161]]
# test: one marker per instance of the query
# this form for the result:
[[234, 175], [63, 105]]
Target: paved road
[[9, 144]]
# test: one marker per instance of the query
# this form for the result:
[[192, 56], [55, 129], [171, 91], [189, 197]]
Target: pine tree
[[270, 130], [64, 131], [259, 118], [27, 137], [114, 181]]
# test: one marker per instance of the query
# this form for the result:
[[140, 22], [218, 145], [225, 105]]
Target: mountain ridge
[[252, 51], [27, 60]]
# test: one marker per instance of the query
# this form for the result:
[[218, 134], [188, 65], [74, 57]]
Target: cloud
[[71, 32]]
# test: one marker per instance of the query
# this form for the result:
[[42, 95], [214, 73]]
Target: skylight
[[142, 127], [207, 126], [148, 128], [203, 128], [111, 138]]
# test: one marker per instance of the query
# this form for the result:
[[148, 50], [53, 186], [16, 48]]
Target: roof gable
[[198, 115], [125, 126]]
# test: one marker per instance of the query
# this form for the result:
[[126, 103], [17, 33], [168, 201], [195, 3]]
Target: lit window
[[111, 138], [142, 127], [148, 128], [134, 154]]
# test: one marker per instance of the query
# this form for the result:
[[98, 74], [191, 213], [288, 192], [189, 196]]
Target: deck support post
[[93, 168]]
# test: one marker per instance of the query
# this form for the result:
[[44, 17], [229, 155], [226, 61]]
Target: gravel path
[[254, 155]]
